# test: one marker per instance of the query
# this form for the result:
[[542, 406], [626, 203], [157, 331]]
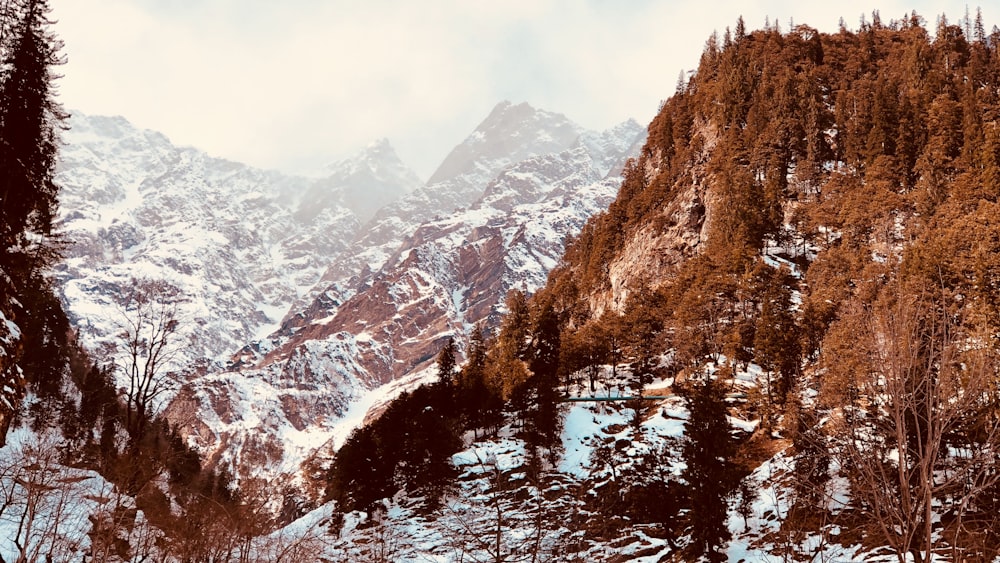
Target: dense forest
[[822, 212]]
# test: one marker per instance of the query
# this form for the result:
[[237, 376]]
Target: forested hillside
[[843, 188], [812, 228]]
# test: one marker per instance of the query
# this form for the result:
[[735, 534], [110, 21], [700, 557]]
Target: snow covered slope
[[235, 240], [437, 274], [508, 135]]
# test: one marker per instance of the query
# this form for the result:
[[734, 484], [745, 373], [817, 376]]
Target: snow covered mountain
[[236, 241], [364, 183], [508, 135], [420, 274], [360, 305]]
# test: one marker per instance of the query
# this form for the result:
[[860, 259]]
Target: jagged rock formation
[[241, 244], [417, 276]]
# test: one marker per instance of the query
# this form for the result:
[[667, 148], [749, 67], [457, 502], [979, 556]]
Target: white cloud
[[297, 84]]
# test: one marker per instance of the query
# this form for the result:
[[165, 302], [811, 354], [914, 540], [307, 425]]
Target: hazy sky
[[296, 84]]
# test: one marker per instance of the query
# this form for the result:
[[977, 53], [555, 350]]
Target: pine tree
[[516, 323], [585, 349], [481, 405], [776, 338], [542, 412], [446, 362], [506, 369], [644, 322], [706, 451], [30, 120], [979, 30]]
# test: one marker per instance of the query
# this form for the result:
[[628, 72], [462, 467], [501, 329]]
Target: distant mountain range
[[304, 295]]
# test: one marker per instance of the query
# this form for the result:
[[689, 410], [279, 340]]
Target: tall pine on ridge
[[30, 119]]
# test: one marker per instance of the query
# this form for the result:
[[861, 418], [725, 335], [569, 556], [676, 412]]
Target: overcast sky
[[296, 84]]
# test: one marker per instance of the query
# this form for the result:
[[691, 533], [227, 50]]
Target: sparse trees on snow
[[492, 527], [145, 347], [928, 432], [40, 503]]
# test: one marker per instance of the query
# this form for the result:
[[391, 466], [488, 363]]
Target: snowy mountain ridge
[[444, 275], [231, 238], [509, 134], [364, 304]]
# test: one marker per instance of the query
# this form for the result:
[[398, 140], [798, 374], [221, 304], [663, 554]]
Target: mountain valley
[[762, 327]]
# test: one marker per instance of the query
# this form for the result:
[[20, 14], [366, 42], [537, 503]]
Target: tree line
[[842, 190]]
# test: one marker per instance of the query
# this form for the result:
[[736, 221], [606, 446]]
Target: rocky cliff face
[[653, 253], [233, 239], [437, 274]]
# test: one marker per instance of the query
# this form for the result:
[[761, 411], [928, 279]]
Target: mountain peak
[[380, 145], [507, 117], [377, 154], [506, 106], [510, 133], [372, 178]]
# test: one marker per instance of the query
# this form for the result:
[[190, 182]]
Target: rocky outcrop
[[653, 253]]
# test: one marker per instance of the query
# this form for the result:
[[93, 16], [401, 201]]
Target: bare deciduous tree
[[497, 528], [927, 427], [144, 348], [40, 504]]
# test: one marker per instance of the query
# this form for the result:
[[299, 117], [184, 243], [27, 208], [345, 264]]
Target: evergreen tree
[[585, 349], [776, 338], [644, 322], [30, 120], [541, 406], [545, 346], [979, 30], [446, 362], [506, 369], [706, 451], [480, 404], [516, 324]]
